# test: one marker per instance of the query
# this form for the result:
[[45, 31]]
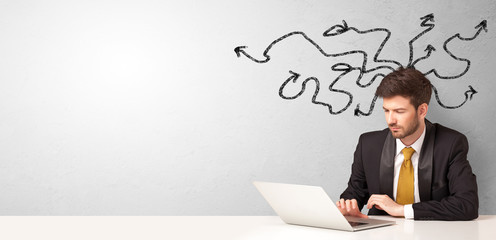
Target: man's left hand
[[384, 202]]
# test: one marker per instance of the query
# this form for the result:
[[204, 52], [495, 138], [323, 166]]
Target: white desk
[[227, 227]]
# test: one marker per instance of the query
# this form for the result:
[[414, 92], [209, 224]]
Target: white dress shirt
[[398, 161]]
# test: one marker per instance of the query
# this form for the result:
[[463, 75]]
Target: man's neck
[[409, 140]]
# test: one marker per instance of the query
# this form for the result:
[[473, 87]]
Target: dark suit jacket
[[447, 186]]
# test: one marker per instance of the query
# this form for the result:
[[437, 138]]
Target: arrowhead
[[430, 48], [336, 30], [482, 25], [427, 18], [238, 50], [357, 112], [470, 93], [341, 67], [345, 24], [294, 76]]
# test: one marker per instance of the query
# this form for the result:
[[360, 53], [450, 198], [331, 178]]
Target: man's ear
[[422, 110]]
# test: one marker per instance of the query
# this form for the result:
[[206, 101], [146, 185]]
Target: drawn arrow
[[336, 30], [427, 21], [482, 26], [344, 28], [470, 93], [359, 112], [333, 31], [429, 49], [343, 67], [295, 76], [468, 96], [340, 29], [240, 50]]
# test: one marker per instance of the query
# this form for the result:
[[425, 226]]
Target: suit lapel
[[425, 162], [386, 176]]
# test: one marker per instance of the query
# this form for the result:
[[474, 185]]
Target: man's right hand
[[350, 208]]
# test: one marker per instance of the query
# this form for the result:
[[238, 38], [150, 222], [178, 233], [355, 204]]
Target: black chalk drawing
[[366, 76]]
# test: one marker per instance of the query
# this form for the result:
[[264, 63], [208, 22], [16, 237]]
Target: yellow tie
[[405, 189]]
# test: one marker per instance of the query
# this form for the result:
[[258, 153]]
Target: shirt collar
[[417, 145]]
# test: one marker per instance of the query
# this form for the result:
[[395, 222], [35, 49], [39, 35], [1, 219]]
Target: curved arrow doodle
[[425, 23], [480, 27], [240, 49], [359, 112], [429, 49], [385, 65], [340, 29], [333, 31], [468, 96], [295, 76]]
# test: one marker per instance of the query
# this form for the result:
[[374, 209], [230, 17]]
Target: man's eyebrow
[[394, 109]]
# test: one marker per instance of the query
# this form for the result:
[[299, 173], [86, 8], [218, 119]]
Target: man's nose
[[391, 119]]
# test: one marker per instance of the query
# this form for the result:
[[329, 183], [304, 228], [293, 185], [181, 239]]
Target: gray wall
[[144, 108]]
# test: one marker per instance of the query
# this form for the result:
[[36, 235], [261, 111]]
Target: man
[[414, 169]]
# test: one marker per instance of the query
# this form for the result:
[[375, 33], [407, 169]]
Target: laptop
[[311, 206]]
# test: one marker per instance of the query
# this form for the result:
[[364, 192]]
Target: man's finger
[[371, 203], [354, 204], [373, 200]]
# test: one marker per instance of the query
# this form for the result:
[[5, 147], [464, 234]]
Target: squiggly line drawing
[[294, 77], [427, 22], [429, 49], [468, 96], [480, 27], [343, 67], [340, 29]]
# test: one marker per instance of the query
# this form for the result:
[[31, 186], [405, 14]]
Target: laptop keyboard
[[356, 224]]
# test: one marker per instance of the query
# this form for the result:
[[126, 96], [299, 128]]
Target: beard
[[405, 130]]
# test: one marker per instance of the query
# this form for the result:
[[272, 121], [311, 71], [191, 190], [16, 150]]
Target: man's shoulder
[[379, 134], [443, 131]]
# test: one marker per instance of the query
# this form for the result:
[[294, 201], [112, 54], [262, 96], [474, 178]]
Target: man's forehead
[[396, 102]]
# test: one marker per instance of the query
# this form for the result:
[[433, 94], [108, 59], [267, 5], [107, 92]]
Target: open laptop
[[311, 206]]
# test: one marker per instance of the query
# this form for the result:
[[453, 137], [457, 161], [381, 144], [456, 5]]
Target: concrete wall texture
[[144, 108]]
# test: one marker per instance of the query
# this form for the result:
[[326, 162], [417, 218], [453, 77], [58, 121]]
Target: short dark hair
[[406, 82]]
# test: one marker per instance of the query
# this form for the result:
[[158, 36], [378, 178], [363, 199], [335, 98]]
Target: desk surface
[[229, 227]]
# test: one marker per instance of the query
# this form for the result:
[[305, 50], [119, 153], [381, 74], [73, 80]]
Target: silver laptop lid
[[303, 205], [309, 206]]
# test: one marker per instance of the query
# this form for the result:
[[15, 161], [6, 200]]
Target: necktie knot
[[408, 152]]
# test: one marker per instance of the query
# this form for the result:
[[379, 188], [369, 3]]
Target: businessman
[[414, 168]]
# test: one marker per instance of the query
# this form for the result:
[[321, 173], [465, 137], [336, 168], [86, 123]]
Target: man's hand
[[350, 208], [384, 202]]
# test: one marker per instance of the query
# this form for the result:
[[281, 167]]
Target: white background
[[143, 108]]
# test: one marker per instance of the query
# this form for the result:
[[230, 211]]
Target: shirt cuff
[[408, 211]]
